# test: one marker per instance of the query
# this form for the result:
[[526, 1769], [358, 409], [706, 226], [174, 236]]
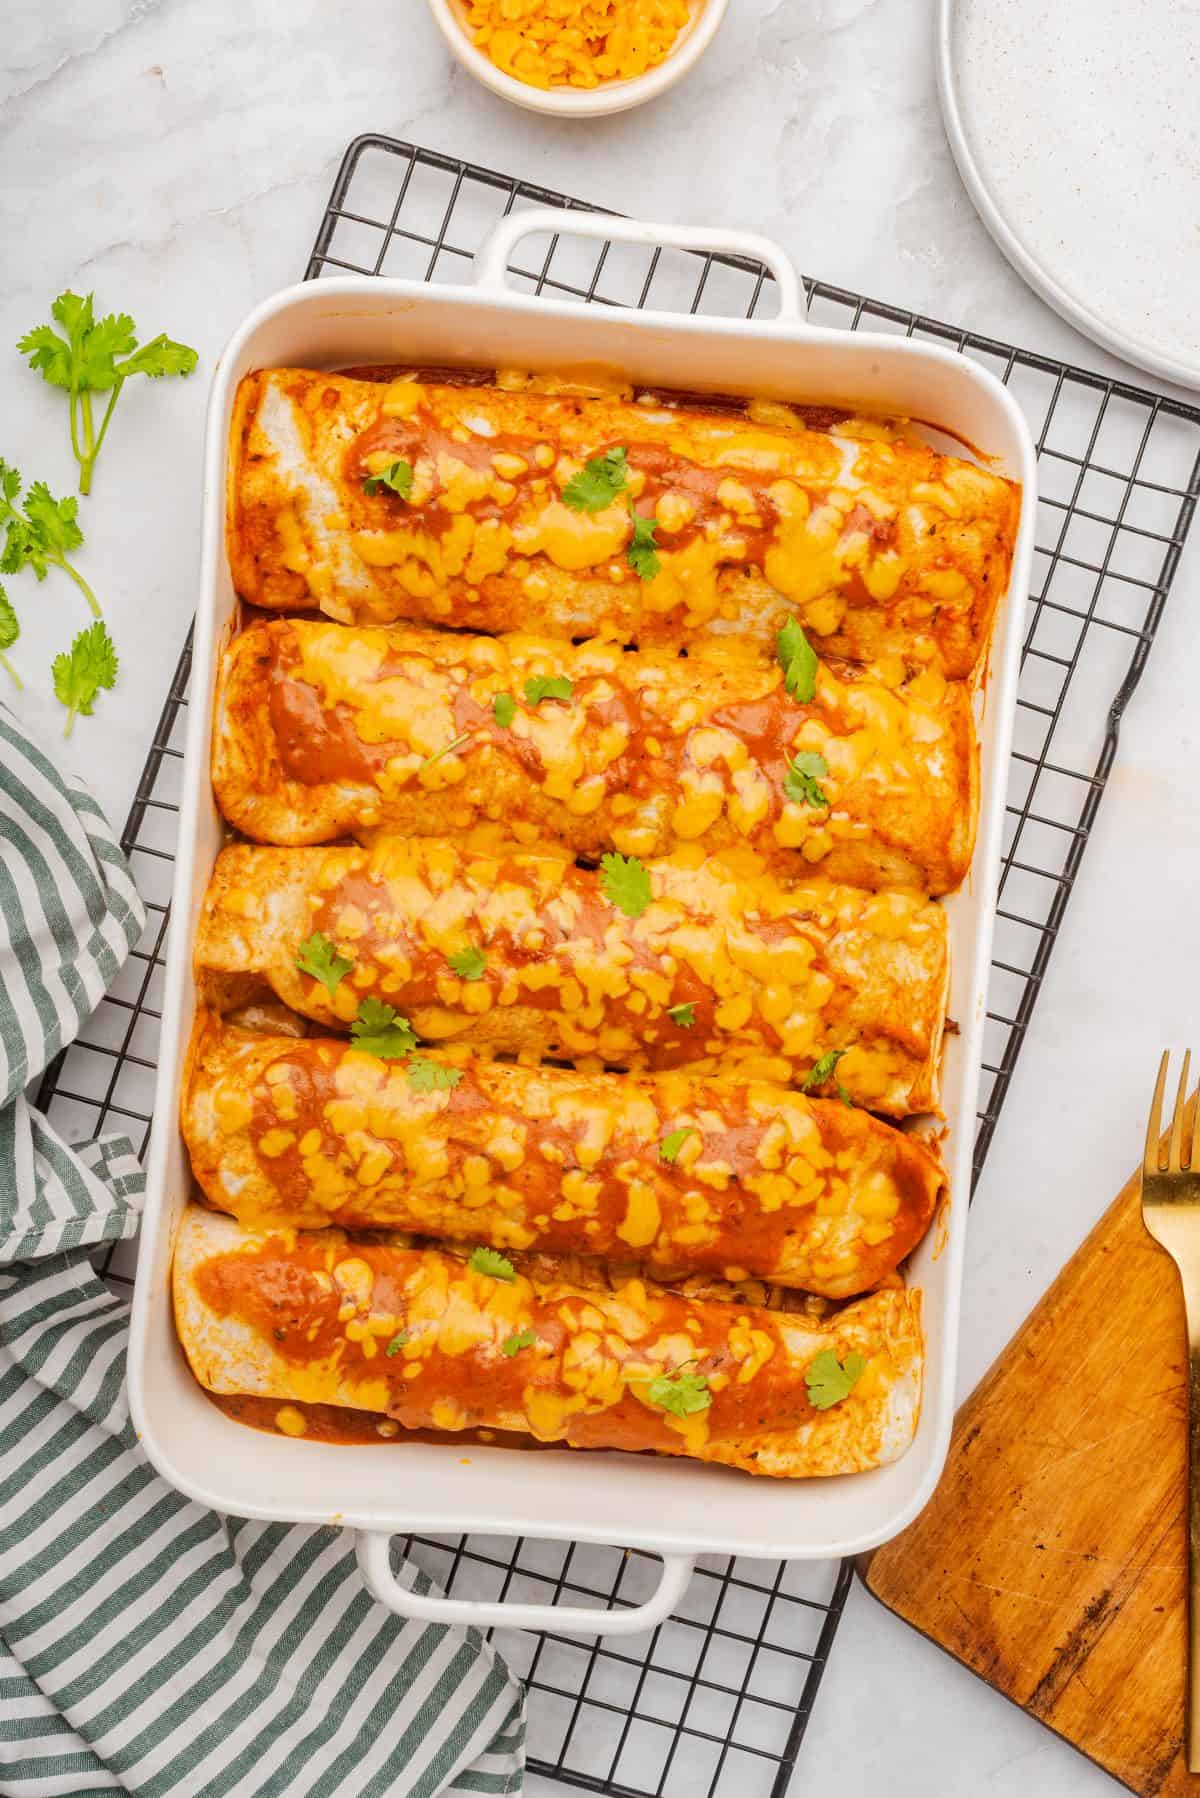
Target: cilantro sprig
[[491, 1263], [642, 551], [380, 1030], [318, 957], [10, 630], [798, 659], [801, 783], [625, 883], [669, 1147], [829, 1380], [822, 1071], [397, 477], [683, 1392], [82, 671], [520, 1339], [547, 686], [683, 1015], [96, 355], [396, 1344], [39, 531], [504, 709], [598, 482], [469, 963], [425, 1076]]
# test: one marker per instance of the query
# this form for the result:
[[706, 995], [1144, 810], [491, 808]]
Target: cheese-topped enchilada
[[497, 510], [728, 969], [677, 1173], [436, 1340], [324, 731]]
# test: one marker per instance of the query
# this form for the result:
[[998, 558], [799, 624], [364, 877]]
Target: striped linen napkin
[[147, 1645]]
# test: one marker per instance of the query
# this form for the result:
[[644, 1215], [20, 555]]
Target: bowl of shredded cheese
[[578, 58]]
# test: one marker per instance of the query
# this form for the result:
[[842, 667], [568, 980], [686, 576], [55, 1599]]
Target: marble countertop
[[175, 157]]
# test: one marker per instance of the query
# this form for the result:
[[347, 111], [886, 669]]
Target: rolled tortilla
[[323, 732], [420, 1335], [879, 544], [727, 970], [676, 1173]]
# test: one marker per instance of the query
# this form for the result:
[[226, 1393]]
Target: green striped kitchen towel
[[149, 1646]]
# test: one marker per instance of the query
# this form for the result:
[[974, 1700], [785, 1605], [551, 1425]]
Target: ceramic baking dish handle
[[492, 261], [374, 1560]]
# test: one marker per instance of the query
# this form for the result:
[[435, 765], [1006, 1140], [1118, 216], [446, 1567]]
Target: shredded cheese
[[575, 43]]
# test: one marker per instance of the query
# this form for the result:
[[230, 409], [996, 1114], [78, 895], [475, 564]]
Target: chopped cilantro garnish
[[520, 1339], [642, 553], [598, 483], [318, 957], [669, 1147], [397, 477], [397, 1343], [798, 659], [504, 709], [822, 1069], [683, 1015], [488, 1261], [426, 1076], [380, 1030], [801, 782], [682, 1392], [547, 686], [469, 963], [829, 1380], [625, 883]]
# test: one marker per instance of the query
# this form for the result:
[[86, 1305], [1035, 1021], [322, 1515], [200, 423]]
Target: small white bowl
[[584, 102]]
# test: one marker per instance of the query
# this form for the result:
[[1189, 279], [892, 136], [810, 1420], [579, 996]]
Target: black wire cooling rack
[[715, 1702]]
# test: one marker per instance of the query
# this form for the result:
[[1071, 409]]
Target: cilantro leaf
[[81, 672], [468, 964], [598, 483], [642, 553], [625, 883], [829, 1380], [426, 1076], [822, 1069], [39, 533], [447, 749], [488, 1261], [801, 783], [520, 1339], [669, 1147], [84, 360], [683, 1015], [504, 709], [397, 1343], [318, 957], [798, 659], [380, 1030], [10, 630], [682, 1392], [547, 686], [397, 477]]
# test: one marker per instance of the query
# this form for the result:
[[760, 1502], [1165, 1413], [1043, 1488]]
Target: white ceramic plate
[[1076, 128]]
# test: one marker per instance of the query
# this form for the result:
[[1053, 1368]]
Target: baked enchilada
[[324, 731], [674, 1172], [438, 1340], [727, 969], [493, 509]]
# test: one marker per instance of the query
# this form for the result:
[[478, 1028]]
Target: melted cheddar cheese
[[416, 1334], [798, 1191], [324, 730], [772, 975], [879, 544]]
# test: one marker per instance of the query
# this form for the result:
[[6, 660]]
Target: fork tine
[[1154, 1127], [1175, 1157]]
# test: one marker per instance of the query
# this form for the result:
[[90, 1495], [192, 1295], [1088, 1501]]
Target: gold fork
[[1171, 1213]]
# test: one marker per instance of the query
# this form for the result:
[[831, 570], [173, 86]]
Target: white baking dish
[[672, 1507]]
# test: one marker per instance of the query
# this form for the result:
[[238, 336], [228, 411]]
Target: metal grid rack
[[716, 1700]]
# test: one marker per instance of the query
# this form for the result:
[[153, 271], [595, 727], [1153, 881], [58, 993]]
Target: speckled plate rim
[[1100, 328]]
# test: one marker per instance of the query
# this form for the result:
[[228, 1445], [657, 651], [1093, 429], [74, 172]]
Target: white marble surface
[[176, 157]]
